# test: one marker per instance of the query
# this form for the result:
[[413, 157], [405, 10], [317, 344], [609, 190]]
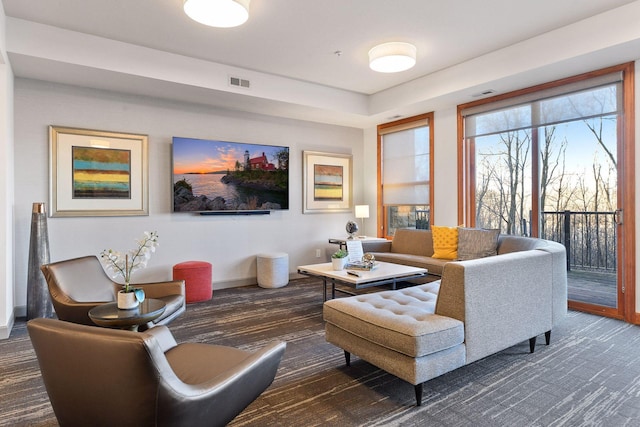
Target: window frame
[[396, 126]]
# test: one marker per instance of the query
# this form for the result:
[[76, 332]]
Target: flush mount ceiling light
[[392, 57], [218, 13]]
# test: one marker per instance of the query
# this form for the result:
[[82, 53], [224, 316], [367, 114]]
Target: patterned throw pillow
[[445, 242], [476, 243]]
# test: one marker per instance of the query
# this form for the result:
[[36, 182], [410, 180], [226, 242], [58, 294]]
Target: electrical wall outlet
[[318, 253]]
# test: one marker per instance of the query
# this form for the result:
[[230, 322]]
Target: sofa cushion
[[434, 266], [445, 242], [402, 320], [477, 243], [413, 242]]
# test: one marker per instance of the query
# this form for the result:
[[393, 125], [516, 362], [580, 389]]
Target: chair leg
[[347, 357], [418, 389], [547, 337], [532, 344]]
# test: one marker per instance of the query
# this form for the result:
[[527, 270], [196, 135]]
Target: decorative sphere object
[[368, 258], [351, 228]]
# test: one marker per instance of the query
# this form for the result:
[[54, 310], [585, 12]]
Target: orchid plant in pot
[[123, 265]]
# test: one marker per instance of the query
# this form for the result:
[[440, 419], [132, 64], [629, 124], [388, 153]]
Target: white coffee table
[[386, 273]]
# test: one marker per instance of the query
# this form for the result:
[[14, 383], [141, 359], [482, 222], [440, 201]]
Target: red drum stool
[[197, 279]]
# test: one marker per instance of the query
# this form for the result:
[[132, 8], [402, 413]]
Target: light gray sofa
[[477, 308]]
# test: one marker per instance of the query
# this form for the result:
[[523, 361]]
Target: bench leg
[[418, 389], [547, 337], [347, 357]]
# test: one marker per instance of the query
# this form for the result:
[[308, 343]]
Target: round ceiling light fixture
[[392, 57], [218, 13]]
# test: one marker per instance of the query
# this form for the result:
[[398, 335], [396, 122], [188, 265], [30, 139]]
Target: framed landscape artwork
[[97, 173], [326, 182]]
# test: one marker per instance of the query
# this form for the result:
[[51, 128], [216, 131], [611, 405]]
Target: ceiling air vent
[[237, 81], [483, 93]]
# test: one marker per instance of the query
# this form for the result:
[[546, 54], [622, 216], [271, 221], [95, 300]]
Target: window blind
[[595, 97], [405, 167]]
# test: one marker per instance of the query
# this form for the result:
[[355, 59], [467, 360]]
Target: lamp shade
[[362, 211], [218, 13], [392, 57]]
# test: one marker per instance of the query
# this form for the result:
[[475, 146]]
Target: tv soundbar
[[235, 213]]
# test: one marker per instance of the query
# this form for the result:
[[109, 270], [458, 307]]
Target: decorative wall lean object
[[326, 182], [38, 297], [97, 173]]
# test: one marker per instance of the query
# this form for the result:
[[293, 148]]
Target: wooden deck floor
[[593, 287]]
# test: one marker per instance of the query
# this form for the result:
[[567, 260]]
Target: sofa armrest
[[559, 272], [163, 336], [377, 246], [502, 300], [78, 312]]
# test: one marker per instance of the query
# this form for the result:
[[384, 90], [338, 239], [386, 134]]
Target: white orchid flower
[[124, 265]]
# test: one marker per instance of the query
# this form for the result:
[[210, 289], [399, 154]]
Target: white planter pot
[[127, 300], [339, 263]]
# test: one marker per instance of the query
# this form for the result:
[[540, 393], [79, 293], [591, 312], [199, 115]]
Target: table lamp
[[362, 212]]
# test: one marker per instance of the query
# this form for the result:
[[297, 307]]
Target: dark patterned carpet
[[588, 376]]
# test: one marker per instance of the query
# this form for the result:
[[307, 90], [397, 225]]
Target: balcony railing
[[589, 238]]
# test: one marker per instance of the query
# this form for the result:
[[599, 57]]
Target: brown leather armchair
[[110, 377], [79, 284]]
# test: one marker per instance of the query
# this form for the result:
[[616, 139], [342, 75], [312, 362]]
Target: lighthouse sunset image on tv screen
[[220, 176]]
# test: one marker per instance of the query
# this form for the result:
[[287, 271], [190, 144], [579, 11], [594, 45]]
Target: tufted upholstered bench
[[399, 332]]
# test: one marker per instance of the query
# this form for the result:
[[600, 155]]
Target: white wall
[[6, 187], [7, 291], [230, 243], [445, 158]]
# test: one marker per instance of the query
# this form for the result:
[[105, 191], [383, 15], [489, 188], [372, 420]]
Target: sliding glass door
[[549, 164]]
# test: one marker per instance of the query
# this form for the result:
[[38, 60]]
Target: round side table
[[110, 316]]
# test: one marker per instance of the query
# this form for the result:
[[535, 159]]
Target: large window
[[552, 150], [405, 174]]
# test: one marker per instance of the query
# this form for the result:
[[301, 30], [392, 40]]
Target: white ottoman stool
[[273, 270]]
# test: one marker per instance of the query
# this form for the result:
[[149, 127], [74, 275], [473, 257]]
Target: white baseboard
[[5, 330], [20, 311], [235, 283], [245, 282]]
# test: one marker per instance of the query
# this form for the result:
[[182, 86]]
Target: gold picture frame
[[327, 182], [97, 173]]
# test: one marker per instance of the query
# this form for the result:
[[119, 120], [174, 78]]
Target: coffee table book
[[361, 266]]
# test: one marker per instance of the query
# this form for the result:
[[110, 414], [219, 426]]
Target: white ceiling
[[287, 45]]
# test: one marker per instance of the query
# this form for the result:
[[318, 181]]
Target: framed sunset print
[[326, 182], [97, 173]]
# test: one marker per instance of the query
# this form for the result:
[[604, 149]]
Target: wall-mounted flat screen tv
[[221, 177]]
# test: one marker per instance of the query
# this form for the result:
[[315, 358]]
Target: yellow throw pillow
[[445, 242]]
